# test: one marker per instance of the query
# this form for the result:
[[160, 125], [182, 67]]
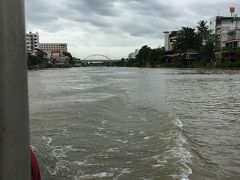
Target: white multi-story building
[[166, 41], [49, 47], [226, 30], [170, 38], [133, 54], [32, 42]]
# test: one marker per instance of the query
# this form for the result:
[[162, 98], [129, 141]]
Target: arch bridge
[[98, 58]]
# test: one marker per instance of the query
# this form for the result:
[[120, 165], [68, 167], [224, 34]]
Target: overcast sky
[[116, 27]]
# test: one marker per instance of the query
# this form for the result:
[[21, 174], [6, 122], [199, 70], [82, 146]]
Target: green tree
[[34, 60], [143, 57], [121, 63], [207, 52], [156, 55], [71, 58], [68, 54], [187, 39], [41, 54]]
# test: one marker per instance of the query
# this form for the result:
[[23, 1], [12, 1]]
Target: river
[[135, 123]]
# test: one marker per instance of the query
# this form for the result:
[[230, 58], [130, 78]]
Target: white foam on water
[[113, 150], [130, 162], [179, 123], [131, 134], [182, 153], [129, 153], [122, 172], [143, 119], [49, 140], [100, 128], [59, 166], [179, 152], [122, 141], [147, 137], [79, 163], [126, 171], [64, 133], [157, 165], [58, 155], [61, 151], [105, 121], [97, 175], [99, 134]]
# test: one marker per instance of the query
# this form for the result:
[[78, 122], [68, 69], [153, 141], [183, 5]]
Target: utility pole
[[14, 123]]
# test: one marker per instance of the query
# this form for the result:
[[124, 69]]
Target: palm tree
[[203, 30]]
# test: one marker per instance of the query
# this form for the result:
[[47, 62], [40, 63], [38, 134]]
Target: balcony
[[233, 35], [233, 39]]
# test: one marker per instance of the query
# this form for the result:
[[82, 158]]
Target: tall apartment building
[[170, 38], [49, 47], [166, 41], [32, 42], [227, 31]]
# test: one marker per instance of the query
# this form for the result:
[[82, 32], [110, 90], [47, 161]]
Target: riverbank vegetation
[[197, 41], [40, 60], [37, 60], [191, 47]]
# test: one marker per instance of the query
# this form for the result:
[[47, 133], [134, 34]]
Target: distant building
[[166, 41], [49, 47], [55, 54], [226, 30], [170, 38], [133, 54], [32, 42], [57, 57]]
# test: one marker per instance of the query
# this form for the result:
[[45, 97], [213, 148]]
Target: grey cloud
[[42, 18], [89, 7], [91, 19], [40, 13], [107, 14], [153, 8], [138, 29], [212, 8], [136, 18]]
